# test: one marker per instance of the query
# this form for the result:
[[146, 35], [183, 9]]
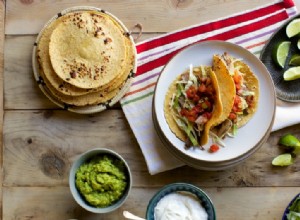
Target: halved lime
[[280, 53], [289, 140], [283, 160], [295, 60], [292, 73], [293, 28]]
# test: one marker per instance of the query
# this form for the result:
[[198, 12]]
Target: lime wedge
[[293, 28], [289, 140], [282, 160], [280, 53], [292, 73], [295, 60]]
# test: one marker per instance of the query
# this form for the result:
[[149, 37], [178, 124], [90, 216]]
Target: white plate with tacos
[[214, 102]]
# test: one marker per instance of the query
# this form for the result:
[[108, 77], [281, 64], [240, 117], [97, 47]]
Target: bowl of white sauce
[[178, 201]]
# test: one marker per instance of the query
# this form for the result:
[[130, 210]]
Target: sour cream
[[179, 206]]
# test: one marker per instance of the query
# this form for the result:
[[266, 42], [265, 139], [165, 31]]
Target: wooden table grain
[[40, 141]]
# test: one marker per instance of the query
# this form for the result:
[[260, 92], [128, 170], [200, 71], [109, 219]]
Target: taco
[[193, 104], [245, 94]]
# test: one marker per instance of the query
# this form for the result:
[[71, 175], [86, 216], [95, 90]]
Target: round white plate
[[250, 135]]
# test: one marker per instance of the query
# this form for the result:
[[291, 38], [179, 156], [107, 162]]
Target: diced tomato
[[237, 87], [202, 88], [237, 78], [214, 148], [191, 115], [207, 115], [196, 98], [237, 101], [232, 116], [191, 92], [210, 89], [198, 108]]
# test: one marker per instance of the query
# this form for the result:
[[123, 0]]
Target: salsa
[[102, 180]]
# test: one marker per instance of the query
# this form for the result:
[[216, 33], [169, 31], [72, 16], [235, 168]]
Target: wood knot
[[26, 2], [29, 141], [52, 165], [48, 114], [181, 3]]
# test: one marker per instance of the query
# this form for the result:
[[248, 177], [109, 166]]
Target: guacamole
[[102, 180]]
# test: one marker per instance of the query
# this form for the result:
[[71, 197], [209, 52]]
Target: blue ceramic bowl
[[75, 193], [286, 211], [185, 187]]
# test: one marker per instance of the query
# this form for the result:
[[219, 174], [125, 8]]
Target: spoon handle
[[131, 216]]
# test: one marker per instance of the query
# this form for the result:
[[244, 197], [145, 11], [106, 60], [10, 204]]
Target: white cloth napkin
[[287, 114], [250, 29]]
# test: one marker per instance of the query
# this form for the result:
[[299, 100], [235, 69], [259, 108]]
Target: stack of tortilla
[[85, 58]]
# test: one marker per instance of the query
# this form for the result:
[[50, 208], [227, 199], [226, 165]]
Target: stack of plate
[[249, 137], [84, 59]]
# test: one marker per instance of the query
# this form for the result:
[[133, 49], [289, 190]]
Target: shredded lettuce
[[217, 139], [294, 210], [188, 129]]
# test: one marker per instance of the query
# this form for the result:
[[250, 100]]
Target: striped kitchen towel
[[250, 29]]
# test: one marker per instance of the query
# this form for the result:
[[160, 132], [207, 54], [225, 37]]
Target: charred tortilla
[[87, 50]]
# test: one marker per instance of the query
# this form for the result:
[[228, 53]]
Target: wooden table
[[40, 141]]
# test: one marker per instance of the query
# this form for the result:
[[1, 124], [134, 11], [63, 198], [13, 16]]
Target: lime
[[293, 28], [295, 60], [289, 140], [298, 44], [280, 53], [292, 73], [283, 160]]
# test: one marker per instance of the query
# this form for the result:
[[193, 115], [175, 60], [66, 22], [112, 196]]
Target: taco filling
[[245, 97], [193, 101]]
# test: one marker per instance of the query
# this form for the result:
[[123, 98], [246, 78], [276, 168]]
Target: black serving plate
[[285, 90]]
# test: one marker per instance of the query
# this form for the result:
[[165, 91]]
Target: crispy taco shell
[[226, 87]]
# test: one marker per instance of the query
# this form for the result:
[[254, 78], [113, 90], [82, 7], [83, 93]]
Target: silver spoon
[[131, 216]]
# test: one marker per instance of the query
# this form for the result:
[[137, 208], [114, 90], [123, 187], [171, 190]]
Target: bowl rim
[[75, 193], [175, 187]]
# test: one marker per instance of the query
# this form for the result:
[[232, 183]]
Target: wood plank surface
[[28, 16], [45, 144], [2, 38], [230, 203], [41, 142]]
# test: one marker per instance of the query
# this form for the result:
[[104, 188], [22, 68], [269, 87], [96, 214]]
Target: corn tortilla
[[87, 50], [226, 87]]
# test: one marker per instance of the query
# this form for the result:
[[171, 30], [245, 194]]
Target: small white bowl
[[181, 187], [76, 194]]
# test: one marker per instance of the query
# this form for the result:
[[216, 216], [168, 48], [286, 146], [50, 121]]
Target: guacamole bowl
[[181, 199], [100, 180]]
